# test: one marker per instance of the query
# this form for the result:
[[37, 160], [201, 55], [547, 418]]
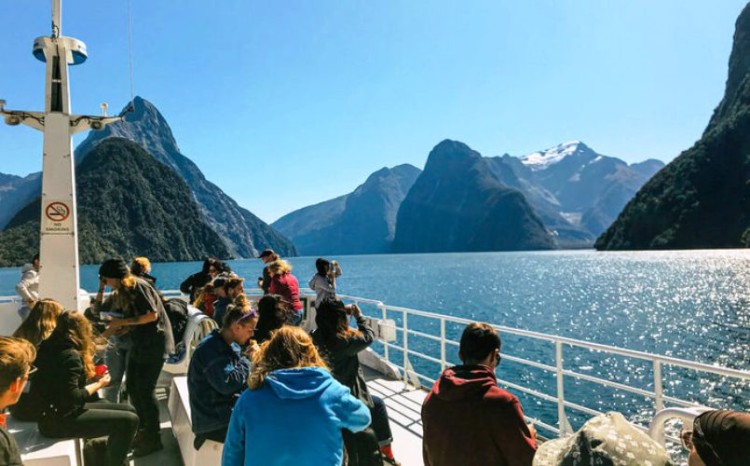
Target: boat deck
[[403, 409]]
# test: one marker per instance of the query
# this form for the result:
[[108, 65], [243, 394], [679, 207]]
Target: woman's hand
[[105, 380], [252, 347], [355, 311]]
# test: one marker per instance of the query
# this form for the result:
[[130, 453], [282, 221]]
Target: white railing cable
[[658, 361]]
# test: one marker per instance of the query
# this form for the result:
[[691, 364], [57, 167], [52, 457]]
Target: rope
[[130, 51]]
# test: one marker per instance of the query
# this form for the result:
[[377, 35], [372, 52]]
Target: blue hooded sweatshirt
[[294, 418]]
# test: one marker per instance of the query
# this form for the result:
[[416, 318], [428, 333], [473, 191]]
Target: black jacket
[[343, 360], [194, 283], [58, 387]]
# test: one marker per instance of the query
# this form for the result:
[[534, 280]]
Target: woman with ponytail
[[292, 396], [141, 318]]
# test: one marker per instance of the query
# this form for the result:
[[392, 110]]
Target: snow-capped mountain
[[573, 182], [544, 159]]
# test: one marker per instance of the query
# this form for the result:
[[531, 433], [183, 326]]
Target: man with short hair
[[267, 256], [467, 419], [16, 356]]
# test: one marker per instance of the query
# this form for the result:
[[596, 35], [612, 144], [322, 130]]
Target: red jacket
[[469, 421], [288, 287]]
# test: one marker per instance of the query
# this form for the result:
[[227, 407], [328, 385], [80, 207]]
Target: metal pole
[[658, 388], [561, 419], [406, 352], [384, 314], [443, 362], [56, 18]]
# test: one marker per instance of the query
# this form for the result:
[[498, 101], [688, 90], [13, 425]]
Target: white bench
[[182, 428], [37, 450]]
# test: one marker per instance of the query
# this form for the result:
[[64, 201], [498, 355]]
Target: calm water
[[690, 305]]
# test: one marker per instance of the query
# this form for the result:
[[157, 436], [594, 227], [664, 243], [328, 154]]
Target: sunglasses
[[32, 370]]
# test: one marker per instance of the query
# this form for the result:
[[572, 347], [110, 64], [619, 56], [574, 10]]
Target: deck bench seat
[[182, 428], [38, 450]]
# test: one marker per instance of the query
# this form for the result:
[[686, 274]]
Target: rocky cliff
[[702, 198], [244, 233], [458, 204], [362, 222], [128, 205]]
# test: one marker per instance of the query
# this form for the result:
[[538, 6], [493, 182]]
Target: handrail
[[556, 367], [559, 369]]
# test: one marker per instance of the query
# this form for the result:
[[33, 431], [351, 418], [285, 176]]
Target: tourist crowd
[[274, 394]]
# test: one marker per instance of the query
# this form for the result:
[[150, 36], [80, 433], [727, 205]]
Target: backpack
[[177, 311], [361, 449]]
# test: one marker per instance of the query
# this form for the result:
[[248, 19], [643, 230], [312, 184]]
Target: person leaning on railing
[[467, 419], [718, 438]]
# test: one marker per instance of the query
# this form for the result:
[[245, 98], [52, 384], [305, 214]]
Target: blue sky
[[286, 104]]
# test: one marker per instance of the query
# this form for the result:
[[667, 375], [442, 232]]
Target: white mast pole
[[58, 245], [58, 248]]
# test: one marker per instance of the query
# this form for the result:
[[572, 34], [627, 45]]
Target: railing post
[[562, 420], [384, 313], [443, 362], [658, 388], [406, 351]]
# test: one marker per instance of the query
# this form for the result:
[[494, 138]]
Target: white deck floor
[[403, 408]]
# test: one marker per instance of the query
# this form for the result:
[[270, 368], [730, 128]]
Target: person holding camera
[[340, 345], [324, 281]]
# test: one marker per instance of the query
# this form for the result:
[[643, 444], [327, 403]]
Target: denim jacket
[[217, 375]]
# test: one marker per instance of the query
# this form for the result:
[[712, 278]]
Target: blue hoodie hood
[[299, 383]]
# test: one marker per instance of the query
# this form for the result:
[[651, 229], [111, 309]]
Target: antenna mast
[[58, 248]]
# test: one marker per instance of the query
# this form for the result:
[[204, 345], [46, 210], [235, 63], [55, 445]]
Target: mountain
[[15, 193], [362, 222], [577, 191], [244, 233], [128, 205], [702, 198], [457, 204]]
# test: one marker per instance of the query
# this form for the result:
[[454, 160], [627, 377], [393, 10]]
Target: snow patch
[[544, 159]]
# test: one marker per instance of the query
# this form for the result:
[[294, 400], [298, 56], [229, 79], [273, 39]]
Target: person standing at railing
[[718, 438], [467, 419], [286, 285], [28, 287], [324, 281], [267, 256]]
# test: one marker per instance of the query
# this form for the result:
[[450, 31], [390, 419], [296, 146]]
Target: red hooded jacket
[[469, 421]]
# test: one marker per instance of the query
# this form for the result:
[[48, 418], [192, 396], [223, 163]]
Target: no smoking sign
[[56, 218]]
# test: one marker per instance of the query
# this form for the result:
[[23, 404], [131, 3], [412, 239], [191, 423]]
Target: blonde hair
[[16, 356], [41, 321], [140, 266], [288, 348], [279, 267]]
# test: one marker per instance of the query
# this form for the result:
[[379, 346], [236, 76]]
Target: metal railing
[[558, 368]]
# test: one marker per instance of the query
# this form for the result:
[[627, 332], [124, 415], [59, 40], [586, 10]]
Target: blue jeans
[[116, 358]]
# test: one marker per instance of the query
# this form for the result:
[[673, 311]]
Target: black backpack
[[361, 449], [177, 312]]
